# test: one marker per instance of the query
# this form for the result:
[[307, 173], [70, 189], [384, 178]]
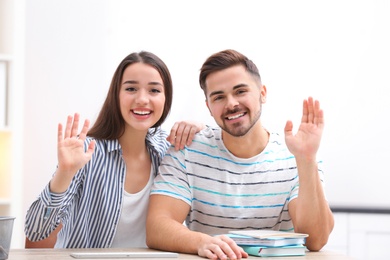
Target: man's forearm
[[313, 215], [169, 235]]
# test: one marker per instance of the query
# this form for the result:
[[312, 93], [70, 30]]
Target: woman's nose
[[142, 97]]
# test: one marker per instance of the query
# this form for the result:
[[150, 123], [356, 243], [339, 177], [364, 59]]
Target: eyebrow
[[153, 83], [221, 92]]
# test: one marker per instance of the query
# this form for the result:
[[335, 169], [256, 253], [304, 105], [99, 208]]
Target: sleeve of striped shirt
[[172, 179], [43, 215]]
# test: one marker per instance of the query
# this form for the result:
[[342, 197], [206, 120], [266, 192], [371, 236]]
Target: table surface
[[62, 254]]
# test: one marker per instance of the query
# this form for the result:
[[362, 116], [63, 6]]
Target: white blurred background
[[336, 51]]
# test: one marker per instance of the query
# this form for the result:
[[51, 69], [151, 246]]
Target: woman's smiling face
[[141, 96]]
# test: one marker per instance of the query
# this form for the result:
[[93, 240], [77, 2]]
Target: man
[[239, 176]]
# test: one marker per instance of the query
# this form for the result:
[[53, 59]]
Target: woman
[[100, 190]]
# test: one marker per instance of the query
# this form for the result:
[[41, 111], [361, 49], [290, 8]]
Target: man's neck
[[249, 145]]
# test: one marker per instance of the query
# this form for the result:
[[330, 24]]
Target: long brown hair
[[110, 123]]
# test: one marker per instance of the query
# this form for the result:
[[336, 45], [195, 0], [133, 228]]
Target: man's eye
[[218, 98]]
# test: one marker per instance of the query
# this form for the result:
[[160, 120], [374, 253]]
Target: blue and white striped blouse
[[90, 209]]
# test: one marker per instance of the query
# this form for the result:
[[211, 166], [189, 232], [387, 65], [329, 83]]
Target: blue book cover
[[266, 233], [270, 241], [297, 250]]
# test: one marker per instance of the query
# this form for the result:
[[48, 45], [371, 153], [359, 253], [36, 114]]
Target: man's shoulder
[[203, 140], [209, 134], [277, 144], [210, 131], [276, 137]]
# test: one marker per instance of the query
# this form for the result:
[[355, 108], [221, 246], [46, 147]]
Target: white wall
[[336, 51]]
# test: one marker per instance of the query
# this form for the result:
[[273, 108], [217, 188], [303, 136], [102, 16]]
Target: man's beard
[[238, 129]]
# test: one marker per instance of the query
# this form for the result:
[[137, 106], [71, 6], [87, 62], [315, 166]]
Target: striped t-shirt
[[226, 192]]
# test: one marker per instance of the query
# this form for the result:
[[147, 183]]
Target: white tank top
[[131, 229]]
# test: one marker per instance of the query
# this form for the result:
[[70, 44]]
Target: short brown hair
[[223, 60]]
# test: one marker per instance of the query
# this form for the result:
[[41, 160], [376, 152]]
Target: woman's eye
[[155, 91], [131, 89]]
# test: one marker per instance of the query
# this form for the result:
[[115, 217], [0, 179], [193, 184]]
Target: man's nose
[[231, 102]]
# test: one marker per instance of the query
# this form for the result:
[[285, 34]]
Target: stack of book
[[270, 242]]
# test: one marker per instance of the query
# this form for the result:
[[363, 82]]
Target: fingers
[[172, 135], [84, 130], [75, 126], [305, 113], [59, 135], [224, 247], [185, 135], [310, 108], [319, 114], [312, 112], [91, 148], [182, 134], [68, 127], [288, 128], [236, 251], [71, 129]]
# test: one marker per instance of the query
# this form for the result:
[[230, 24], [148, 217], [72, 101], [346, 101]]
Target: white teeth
[[142, 112], [236, 116]]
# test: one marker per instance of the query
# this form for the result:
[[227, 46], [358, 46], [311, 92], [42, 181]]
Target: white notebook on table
[[97, 255]]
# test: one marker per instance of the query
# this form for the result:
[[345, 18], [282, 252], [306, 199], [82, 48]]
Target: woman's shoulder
[[157, 139]]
